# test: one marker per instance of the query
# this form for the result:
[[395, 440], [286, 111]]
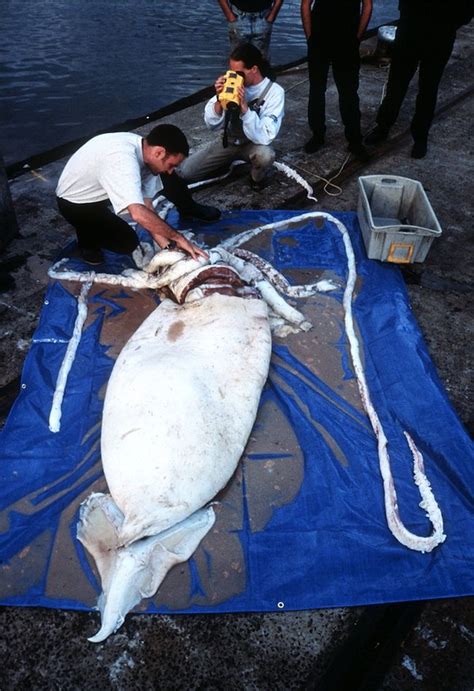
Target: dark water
[[69, 68]]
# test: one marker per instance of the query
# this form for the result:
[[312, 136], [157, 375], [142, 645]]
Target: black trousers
[[344, 58], [98, 227], [418, 44]]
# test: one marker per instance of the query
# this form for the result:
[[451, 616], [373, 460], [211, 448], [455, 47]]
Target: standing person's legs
[[318, 69], [403, 66], [345, 67], [240, 31], [98, 227], [437, 50], [261, 33]]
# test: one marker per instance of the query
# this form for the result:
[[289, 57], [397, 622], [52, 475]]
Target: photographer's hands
[[219, 85], [243, 103]]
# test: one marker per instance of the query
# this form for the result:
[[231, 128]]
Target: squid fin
[[129, 574]]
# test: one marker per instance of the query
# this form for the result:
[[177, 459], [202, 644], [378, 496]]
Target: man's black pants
[[98, 227], [418, 43], [345, 61]]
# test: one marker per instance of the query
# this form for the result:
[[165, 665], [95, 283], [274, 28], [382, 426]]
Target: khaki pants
[[213, 159]]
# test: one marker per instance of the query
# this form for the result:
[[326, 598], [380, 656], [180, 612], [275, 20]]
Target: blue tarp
[[302, 523]]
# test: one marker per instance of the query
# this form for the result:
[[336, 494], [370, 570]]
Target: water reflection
[[69, 68]]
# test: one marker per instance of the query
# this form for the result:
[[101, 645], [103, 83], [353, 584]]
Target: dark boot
[[176, 190], [378, 135], [359, 151], [201, 212], [420, 148], [314, 144], [92, 256]]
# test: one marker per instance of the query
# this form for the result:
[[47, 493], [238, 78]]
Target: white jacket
[[259, 128]]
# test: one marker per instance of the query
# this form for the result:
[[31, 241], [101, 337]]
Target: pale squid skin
[[180, 405]]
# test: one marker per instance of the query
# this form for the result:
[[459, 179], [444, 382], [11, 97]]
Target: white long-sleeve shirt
[[259, 128]]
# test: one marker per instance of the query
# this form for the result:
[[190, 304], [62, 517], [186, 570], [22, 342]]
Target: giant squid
[[180, 406]]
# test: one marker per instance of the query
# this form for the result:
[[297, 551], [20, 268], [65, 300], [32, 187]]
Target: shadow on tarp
[[302, 523]]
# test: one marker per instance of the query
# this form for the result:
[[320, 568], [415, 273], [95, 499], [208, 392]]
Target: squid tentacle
[[398, 529], [58, 396], [279, 281]]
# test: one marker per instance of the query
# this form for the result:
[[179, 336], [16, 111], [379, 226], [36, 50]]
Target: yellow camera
[[229, 96]]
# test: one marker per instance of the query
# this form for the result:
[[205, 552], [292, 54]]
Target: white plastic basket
[[396, 218]]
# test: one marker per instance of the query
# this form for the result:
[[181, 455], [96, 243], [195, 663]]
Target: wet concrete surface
[[47, 649]]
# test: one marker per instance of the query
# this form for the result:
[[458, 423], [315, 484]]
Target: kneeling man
[[123, 170], [249, 135]]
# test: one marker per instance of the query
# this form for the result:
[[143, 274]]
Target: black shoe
[[420, 147], [359, 151], [91, 256], [314, 144], [201, 212], [258, 185], [379, 134]]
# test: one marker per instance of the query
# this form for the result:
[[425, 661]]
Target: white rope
[[328, 182]]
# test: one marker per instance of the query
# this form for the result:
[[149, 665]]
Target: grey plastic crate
[[397, 221]]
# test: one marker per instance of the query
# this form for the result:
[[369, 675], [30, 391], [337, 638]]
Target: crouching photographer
[[249, 111]]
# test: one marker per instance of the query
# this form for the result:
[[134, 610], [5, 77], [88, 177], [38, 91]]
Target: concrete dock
[[417, 646]]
